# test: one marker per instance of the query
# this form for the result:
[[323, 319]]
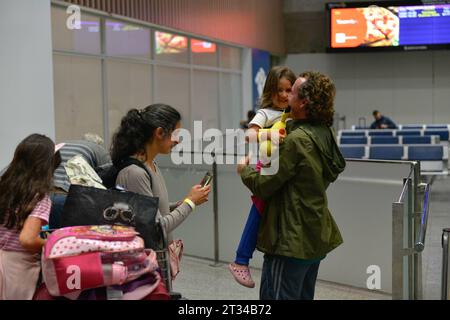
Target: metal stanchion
[[445, 271], [418, 195], [216, 214], [397, 251]]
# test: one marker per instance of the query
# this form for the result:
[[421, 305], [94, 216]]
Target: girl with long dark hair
[[24, 209]]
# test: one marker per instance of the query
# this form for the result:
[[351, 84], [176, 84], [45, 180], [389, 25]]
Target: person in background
[[297, 230], [96, 156], [382, 122], [90, 148], [24, 208]]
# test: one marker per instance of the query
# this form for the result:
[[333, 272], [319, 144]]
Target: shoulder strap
[[130, 161]]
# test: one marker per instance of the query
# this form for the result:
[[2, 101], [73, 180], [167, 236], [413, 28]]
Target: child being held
[[275, 99]]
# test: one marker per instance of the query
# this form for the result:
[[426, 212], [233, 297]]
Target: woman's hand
[[199, 195], [243, 163]]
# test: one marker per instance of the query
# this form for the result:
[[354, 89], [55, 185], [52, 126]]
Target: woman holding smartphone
[[143, 134]]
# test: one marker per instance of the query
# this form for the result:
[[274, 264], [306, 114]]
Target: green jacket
[[296, 221]]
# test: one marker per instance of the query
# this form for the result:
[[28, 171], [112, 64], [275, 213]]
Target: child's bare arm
[[252, 133], [29, 236]]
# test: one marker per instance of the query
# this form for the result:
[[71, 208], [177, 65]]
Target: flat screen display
[[200, 46], [170, 43], [384, 25]]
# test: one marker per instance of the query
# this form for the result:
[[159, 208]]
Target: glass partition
[[83, 40], [230, 58], [127, 40], [113, 64], [78, 96], [129, 86]]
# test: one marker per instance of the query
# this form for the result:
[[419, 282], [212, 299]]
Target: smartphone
[[206, 179]]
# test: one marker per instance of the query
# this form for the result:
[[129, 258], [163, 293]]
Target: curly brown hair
[[319, 91]]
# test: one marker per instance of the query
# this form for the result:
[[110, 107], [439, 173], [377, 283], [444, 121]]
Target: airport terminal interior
[[73, 67]]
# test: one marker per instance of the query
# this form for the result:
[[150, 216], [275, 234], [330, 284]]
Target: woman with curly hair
[[142, 135], [297, 230]]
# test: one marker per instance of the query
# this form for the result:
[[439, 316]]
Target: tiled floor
[[199, 280]]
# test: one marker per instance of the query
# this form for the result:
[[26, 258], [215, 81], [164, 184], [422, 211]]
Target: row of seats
[[425, 143], [433, 157], [442, 133], [411, 126], [395, 152], [406, 139]]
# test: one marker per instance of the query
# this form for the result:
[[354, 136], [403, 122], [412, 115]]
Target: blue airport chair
[[386, 152], [381, 133], [408, 133], [412, 126], [436, 126], [443, 134], [355, 152], [353, 140], [384, 140], [417, 140], [426, 153], [353, 133]]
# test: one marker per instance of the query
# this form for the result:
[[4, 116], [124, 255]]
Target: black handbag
[[93, 206]]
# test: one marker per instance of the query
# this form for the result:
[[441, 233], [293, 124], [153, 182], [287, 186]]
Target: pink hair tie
[[59, 146]]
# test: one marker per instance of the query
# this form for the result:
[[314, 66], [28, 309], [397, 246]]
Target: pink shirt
[[9, 238]]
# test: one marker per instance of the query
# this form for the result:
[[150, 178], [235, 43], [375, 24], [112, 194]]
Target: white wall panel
[[441, 87], [26, 79]]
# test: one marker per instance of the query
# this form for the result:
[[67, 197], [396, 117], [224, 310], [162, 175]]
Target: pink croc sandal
[[242, 275]]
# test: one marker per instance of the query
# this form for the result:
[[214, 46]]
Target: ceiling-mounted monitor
[[396, 25]]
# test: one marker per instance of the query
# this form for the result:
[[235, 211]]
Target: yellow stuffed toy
[[264, 135]]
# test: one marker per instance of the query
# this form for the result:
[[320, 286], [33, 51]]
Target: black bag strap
[[130, 161]]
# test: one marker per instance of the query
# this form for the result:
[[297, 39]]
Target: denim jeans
[[249, 236]]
